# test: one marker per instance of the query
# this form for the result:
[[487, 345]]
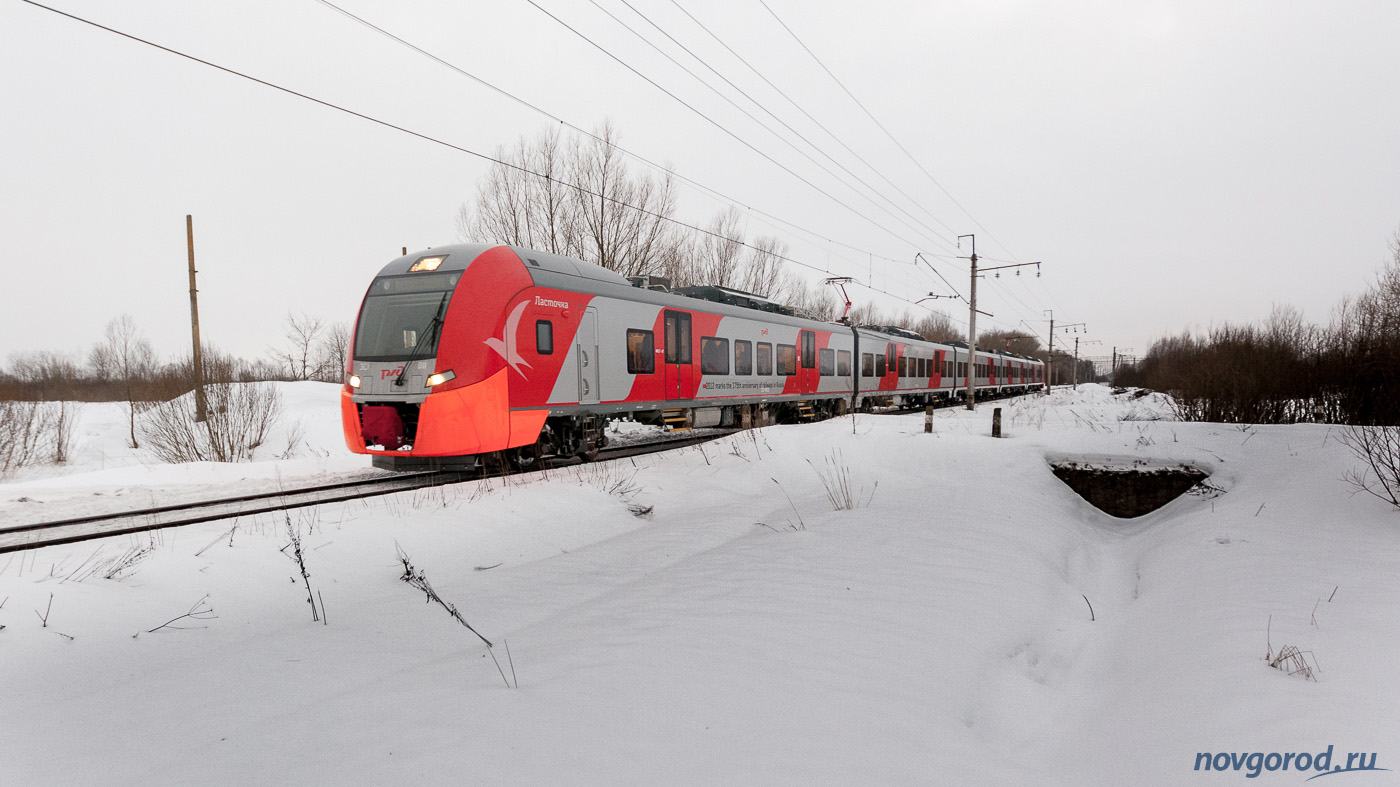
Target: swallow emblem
[[507, 346]]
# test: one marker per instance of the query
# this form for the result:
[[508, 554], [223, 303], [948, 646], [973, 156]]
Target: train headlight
[[441, 377], [354, 381], [426, 264]]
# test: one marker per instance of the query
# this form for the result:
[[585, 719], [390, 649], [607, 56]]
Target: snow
[[940, 634], [107, 475]]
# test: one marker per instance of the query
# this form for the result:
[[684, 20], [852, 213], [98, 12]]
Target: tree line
[[1286, 369]]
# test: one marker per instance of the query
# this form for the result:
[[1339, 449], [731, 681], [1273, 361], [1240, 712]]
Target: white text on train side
[[547, 302]]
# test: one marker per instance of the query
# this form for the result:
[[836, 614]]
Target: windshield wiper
[[434, 325]]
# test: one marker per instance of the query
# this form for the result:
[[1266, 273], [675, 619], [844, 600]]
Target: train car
[[472, 349]]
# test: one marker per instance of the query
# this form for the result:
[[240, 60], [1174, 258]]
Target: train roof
[[892, 330], [733, 297], [458, 256], [554, 270]]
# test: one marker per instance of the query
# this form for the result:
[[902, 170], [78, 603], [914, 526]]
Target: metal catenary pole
[[1074, 371], [972, 330]]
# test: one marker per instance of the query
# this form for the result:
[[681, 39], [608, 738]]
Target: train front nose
[[431, 383], [470, 419]]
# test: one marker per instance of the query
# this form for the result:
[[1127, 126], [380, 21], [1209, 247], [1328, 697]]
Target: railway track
[[64, 531]]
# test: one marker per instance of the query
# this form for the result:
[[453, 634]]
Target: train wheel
[[593, 442], [526, 457]]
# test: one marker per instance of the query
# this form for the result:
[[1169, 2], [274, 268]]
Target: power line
[[715, 123], [809, 116], [761, 106], [881, 126], [434, 140], [715, 193]]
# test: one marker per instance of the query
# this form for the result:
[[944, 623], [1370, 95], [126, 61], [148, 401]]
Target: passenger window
[[867, 365], [677, 337], [765, 358], [843, 363], [743, 356], [809, 350], [641, 352], [828, 362], [544, 337], [787, 359], [879, 366], [714, 355]]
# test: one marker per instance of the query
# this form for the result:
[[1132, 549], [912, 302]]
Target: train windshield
[[402, 316]]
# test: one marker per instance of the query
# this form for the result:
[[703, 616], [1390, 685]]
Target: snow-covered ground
[[742, 632], [107, 475]]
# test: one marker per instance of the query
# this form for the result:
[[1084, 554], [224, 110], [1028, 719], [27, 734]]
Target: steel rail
[[65, 531]]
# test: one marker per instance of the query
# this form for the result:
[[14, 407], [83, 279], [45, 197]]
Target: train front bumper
[[470, 419]]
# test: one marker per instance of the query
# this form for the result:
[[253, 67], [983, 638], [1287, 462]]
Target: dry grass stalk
[[1290, 659], [836, 479], [416, 577]]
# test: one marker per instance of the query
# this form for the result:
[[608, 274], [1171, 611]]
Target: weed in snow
[[415, 577], [1290, 659], [299, 557], [200, 610], [836, 479]]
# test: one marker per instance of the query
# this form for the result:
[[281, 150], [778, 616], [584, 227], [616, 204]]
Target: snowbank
[[743, 631]]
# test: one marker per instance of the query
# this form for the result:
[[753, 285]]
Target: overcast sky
[[1173, 164]]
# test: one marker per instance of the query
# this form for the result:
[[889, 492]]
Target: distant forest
[[1287, 370]]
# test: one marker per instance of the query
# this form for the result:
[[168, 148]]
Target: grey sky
[[1174, 164]]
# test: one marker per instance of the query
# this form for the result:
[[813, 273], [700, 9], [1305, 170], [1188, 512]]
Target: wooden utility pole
[[200, 406], [1050, 356]]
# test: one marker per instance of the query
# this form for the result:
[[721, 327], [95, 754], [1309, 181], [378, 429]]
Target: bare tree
[[938, 327], [719, 257], [816, 301], [1011, 340], [526, 202], [579, 200], [624, 219], [126, 357], [47, 375], [298, 356], [764, 274], [332, 353]]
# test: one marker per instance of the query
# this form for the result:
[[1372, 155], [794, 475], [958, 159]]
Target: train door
[[586, 350], [807, 364], [678, 371]]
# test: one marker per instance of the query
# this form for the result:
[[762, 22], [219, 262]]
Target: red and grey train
[[466, 350]]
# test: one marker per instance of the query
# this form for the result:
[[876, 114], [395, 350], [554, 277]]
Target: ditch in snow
[[1128, 492]]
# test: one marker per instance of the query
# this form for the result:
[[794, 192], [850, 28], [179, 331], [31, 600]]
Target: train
[[472, 350]]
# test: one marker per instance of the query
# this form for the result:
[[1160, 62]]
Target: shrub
[[1379, 448], [22, 431], [240, 415]]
